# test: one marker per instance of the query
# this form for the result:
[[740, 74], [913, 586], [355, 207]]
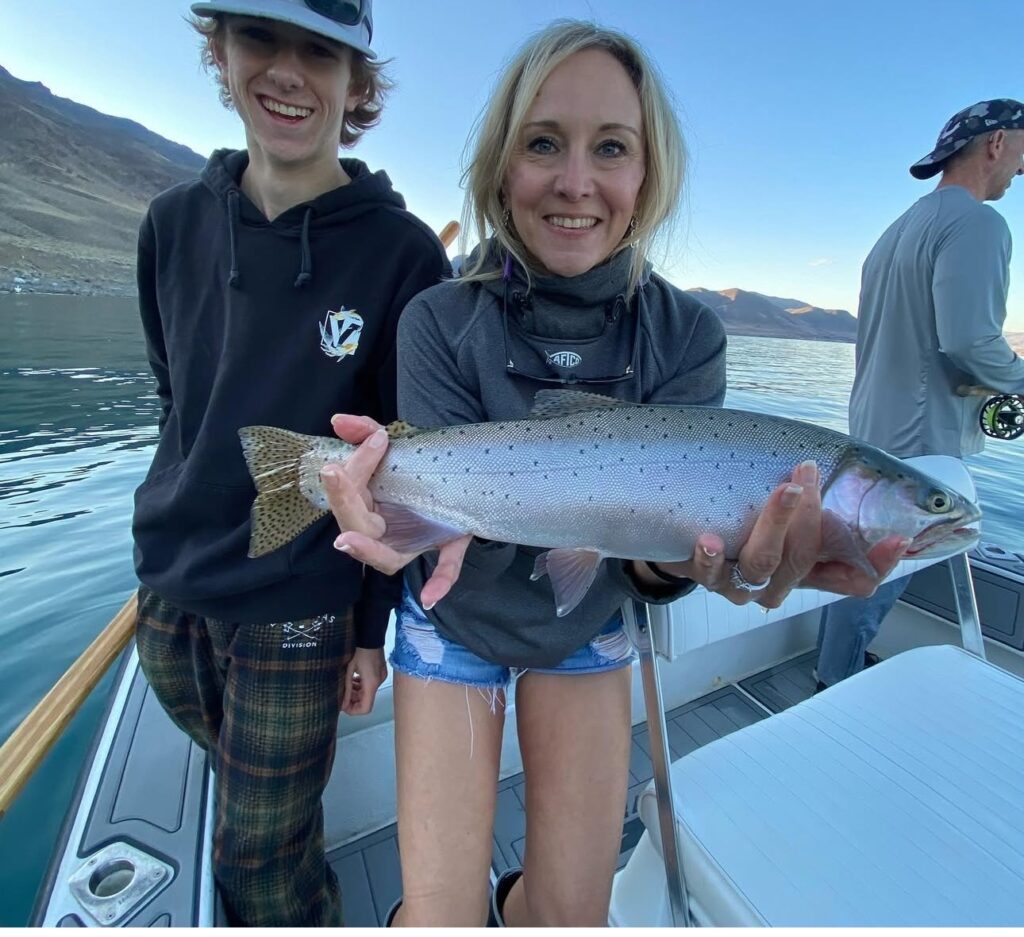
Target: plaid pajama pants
[[263, 700]]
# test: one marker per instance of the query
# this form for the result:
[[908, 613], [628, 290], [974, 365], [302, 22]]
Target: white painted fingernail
[[709, 553], [379, 439], [343, 547], [791, 494], [427, 606]]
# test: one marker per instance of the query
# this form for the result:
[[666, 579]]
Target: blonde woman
[[577, 166]]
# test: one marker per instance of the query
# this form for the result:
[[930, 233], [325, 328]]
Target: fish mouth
[[943, 539]]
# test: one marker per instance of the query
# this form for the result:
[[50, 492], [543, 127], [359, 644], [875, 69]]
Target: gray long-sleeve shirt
[[932, 307], [452, 370]]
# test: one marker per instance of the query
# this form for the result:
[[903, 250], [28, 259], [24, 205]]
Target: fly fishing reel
[[1002, 417]]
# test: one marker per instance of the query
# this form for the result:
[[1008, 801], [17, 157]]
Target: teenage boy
[[270, 291]]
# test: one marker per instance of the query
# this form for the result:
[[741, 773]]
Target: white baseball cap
[[349, 22]]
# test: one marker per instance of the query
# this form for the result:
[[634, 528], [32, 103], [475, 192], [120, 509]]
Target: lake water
[[77, 430]]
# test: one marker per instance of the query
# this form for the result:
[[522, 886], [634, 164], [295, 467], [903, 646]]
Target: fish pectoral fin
[[548, 404], [572, 573], [839, 543], [409, 532]]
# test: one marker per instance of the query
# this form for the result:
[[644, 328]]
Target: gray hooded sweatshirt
[[452, 357]]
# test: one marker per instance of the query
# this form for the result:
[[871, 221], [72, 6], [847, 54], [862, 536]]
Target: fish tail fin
[[281, 511]]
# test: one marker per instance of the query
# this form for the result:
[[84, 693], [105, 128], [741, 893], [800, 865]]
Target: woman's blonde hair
[[496, 137], [368, 79]]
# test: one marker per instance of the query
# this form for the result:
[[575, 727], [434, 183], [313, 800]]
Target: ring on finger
[[738, 581]]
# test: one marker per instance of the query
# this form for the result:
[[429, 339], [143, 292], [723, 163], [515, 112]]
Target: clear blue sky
[[802, 117]]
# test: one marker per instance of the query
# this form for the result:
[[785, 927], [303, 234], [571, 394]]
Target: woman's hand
[[782, 552], [347, 489], [363, 677]]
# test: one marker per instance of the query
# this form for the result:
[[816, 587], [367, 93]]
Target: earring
[[506, 217], [632, 226]]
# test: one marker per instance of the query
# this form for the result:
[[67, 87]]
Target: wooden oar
[[449, 233], [21, 754], [28, 745]]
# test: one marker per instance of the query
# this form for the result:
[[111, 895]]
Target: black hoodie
[[237, 313]]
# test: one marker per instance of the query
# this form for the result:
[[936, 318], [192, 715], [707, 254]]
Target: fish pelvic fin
[[281, 511], [572, 573], [409, 532], [548, 404]]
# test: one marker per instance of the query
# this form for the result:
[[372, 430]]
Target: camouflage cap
[[964, 126]]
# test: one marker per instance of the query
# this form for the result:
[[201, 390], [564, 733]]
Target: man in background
[[931, 313]]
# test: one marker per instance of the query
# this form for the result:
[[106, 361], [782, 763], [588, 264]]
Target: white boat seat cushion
[[894, 798]]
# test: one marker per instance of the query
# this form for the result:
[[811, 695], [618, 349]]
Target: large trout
[[591, 477]]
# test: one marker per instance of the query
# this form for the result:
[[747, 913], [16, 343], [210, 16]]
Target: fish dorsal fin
[[549, 404], [402, 430]]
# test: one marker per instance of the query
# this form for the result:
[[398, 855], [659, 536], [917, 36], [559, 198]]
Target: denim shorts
[[421, 651]]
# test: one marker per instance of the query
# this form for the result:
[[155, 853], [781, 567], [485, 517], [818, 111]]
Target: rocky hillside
[[746, 313], [74, 184]]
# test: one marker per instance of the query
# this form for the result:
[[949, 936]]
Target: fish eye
[[939, 502]]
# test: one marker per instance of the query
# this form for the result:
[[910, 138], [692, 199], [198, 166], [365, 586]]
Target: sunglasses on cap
[[344, 12]]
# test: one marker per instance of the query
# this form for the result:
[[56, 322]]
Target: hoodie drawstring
[[234, 276], [306, 266]]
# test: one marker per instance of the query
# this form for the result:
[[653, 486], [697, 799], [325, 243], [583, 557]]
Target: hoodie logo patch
[[340, 333]]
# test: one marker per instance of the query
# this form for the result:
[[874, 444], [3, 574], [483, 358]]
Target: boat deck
[[369, 868]]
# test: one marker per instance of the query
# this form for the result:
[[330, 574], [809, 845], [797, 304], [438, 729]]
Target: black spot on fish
[[487, 451], [394, 468], [510, 447], [433, 458], [418, 451]]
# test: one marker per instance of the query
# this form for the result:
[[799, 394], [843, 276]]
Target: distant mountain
[[74, 184], [1016, 340], [746, 313]]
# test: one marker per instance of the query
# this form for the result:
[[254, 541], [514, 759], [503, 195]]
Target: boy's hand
[[363, 677]]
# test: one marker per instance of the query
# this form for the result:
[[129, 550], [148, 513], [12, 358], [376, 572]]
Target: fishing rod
[[1002, 416]]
